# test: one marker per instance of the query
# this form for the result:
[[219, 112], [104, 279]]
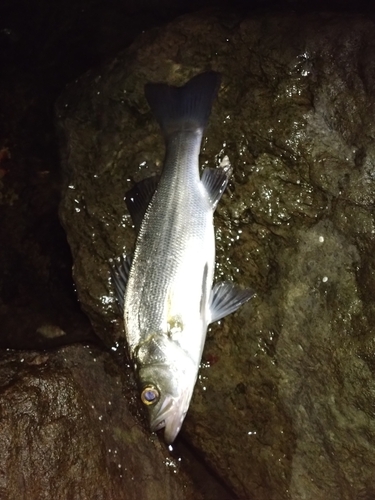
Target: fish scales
[[178, 217], [169, 297]]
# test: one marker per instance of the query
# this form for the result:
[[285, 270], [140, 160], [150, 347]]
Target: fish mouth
[[170, 416]]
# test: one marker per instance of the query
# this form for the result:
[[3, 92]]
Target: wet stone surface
[[69, 429], [284, 404]]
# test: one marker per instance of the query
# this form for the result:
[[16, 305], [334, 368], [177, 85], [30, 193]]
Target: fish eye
[[150, 395]]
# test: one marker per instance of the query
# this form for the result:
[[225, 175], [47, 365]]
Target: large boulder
[[70, 429], [284, 404]]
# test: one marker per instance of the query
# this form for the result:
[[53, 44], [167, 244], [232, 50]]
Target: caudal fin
[[183, 108]]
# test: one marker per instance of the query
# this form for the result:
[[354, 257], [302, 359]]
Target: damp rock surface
[[69, 429], [283, 408]]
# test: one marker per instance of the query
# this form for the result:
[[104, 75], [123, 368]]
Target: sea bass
[[166, 289]]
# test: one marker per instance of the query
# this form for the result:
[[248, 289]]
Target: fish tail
[[185, 108]]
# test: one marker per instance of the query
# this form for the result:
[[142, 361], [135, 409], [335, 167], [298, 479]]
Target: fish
[[166, 288]]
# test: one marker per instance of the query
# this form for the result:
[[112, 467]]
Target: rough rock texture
[[67, 431], [284, 405]]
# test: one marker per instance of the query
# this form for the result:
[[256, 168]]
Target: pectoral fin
[[120, 275], [226, 297], [138, 198], [215, 181]]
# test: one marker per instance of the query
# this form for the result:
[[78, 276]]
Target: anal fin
[[215, 181]]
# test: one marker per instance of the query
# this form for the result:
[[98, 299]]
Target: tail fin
[[183, 108]]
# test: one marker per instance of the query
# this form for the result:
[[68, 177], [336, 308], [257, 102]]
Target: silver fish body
[[169, 298]]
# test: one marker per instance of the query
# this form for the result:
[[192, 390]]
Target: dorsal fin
[[138, 198], [120, 275]]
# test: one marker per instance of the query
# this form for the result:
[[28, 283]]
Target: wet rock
[[67, 431], [283, 407]]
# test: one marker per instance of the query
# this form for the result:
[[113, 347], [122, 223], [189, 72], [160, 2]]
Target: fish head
[[166, 389]]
